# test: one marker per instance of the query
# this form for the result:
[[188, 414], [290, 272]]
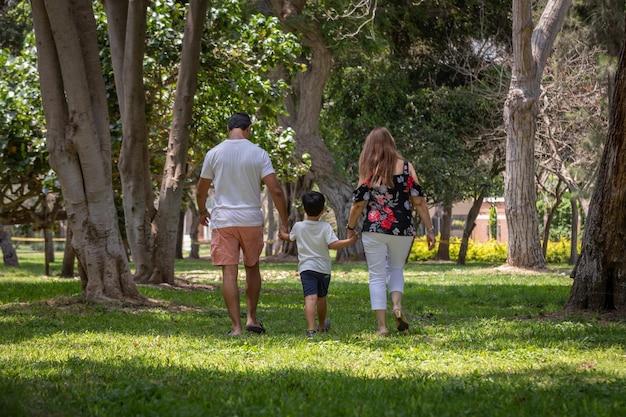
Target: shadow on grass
[[129, 387]]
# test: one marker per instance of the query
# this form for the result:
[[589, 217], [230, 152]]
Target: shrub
[[490, 251]]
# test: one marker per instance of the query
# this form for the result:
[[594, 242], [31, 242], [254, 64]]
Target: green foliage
[[440, 137], [429, 38], [15, 24], [280, 145], [561, 227], [358, 99], [25, 175], [240, 51], [483, 343]]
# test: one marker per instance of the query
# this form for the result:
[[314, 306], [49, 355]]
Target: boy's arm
[[339, 244]]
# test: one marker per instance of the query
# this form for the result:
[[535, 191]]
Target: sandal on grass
[[401, 322], [256, 329]]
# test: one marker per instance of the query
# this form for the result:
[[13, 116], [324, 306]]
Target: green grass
[[484, 342]]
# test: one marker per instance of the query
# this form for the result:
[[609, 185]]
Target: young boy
[[313, 239]]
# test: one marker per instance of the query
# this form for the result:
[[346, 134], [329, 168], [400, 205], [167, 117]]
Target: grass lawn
[[484, 342]]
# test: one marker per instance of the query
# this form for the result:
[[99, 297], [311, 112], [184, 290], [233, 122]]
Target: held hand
[[282, 235], [431, 239], [205, 218]]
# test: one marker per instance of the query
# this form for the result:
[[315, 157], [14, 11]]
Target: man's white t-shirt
[[312, 239], [236, 167]]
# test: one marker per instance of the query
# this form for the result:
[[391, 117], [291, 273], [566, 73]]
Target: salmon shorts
[[228, 243]]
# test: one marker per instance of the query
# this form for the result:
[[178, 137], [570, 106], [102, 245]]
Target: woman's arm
[[419, 203]]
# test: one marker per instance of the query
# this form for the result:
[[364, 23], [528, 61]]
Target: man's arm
[[278, 195], [202, 192]]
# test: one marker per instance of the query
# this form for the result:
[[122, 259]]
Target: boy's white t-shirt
[[312, 239], [236, 167]]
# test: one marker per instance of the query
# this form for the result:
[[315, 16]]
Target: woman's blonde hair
[[378, 158]]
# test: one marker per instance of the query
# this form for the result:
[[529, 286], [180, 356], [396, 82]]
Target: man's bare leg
[[230, 292], [253, 290]]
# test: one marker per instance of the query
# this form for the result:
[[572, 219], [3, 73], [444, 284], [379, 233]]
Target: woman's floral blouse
[[389, 210]]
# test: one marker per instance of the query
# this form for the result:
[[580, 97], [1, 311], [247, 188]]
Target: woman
[[387, 188]]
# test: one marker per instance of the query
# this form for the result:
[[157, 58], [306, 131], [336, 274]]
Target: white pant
[[386, 256]]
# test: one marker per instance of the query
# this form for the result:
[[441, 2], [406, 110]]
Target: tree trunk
[[193, 233], [8, 251], [304, 115], [600, 273], [443, 251], [175, 169], [547, 225], [180, 233], [470, 224], [48, 249], [67, 266], [573, 256], [79, 143], [531, 49], [127, 30]]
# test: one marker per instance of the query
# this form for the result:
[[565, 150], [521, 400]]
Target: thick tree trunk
[[470, 224], [8, 251], [180, 234], [79, 143], [127, 30], [305, 114], [600, 273], [531, 49], [175, 169], [69, 258]]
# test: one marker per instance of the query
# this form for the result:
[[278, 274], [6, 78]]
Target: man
[[236, 168]]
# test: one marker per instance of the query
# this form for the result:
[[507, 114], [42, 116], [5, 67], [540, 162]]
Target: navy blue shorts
[[315, 283]]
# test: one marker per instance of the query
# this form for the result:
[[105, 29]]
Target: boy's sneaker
[[327, 326], [311, 333]]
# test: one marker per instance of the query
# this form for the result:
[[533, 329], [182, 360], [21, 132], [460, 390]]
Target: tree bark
[[180, 234], [127, 30], [175, 169], [470, 224], [8, 251], [48, 249], [573, 256], [531, 49], [193, 233], [67, 265], [600, 272], [443, 251], [79, 143]]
